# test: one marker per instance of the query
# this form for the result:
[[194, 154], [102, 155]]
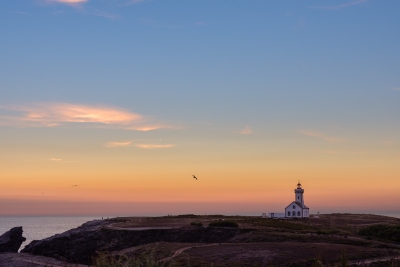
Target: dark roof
[[298, 204]]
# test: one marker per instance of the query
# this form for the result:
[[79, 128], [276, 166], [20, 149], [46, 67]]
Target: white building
[[297, 209]]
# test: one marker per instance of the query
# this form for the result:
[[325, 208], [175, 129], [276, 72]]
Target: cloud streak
[[341, 5], [75, 3], [69, 1], [321, 136], [119, 144], [57, 114], [154, 146], [151, 127]]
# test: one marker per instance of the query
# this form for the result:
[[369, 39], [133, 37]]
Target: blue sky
[[269, 80], [168, 56]]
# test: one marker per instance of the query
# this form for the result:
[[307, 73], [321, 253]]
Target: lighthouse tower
[[298, 192]]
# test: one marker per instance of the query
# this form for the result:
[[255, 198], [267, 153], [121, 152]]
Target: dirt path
[[139, 228], [179, 251], [371, 260]]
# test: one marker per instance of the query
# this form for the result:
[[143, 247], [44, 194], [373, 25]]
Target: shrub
[[196, 224]]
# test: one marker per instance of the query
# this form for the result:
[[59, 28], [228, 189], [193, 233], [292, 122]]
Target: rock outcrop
[[79, 245], [11, 240]]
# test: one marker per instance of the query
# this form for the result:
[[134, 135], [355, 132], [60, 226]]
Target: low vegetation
[[223, 223], [381, 232], [148, 260], [327, 231], [283, 224], [187, 216]]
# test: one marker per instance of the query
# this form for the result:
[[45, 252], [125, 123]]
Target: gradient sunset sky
[[127, 99]]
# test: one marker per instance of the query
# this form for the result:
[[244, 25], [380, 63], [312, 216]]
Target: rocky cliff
[[79, 245], [11, 240]]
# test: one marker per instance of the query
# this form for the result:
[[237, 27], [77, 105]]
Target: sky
[[110, 106]]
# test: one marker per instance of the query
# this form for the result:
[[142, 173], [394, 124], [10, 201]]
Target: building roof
[[298, 204]]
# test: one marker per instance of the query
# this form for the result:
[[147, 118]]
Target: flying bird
[[194, 177]]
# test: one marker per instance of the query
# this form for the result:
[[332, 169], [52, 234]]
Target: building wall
[[294, 211]]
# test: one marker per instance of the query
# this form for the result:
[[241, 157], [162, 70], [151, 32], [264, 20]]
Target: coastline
[[255, 239]]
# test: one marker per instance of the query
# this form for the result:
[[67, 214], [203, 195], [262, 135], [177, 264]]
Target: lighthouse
[[297, 209]]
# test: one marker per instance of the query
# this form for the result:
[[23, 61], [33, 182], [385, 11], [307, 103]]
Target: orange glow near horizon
[[244, 172]]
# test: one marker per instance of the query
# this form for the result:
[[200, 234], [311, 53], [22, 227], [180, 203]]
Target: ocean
[[38, 227]]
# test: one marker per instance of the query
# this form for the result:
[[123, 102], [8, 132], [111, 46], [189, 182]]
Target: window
[[288, 213], [294, 207], [298, 197], [298, 213]]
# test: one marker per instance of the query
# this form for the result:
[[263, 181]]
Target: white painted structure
[[297, 209]]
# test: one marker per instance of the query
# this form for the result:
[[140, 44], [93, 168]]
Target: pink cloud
[[62, 114]]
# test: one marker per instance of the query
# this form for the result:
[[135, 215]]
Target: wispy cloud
[[56, 114], [119, 144], [68, 2], [247, 130], [55, 159], [396, 89], [321, 136], [341, 5], [154, 146], [63, 112], [152, 127]]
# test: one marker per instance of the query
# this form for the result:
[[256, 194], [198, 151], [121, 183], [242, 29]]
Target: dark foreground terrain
[[191, 240]]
